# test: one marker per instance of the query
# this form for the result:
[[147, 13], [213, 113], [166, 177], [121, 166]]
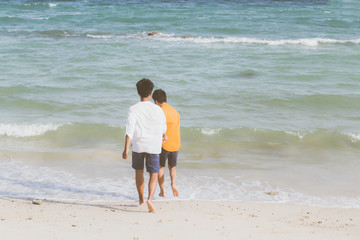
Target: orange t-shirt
[[173, 142]]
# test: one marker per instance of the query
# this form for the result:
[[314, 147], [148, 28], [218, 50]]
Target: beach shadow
[[130, 207], [121, 207]]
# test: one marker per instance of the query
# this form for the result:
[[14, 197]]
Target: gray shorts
[[170, 156], [152, 162]]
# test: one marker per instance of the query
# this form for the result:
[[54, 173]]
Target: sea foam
[[26, 130], [164, 37], [98, 36], [300, 135], [355, 137], [247, 40], [31, 181], [210, 131]]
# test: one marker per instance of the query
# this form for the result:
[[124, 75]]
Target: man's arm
[[129, 132], [126, 148]]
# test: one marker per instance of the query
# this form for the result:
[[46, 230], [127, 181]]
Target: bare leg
[[173, 179], [152, 187], [161, 182], [139, 177]]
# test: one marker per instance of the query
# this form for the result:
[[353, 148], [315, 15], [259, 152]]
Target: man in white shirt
[[145, 131]]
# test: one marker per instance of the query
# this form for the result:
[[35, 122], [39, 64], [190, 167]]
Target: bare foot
[[175, 191], [141, 200], [161, 194], [150, 206]]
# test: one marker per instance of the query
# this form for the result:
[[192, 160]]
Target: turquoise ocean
[[268, 92]]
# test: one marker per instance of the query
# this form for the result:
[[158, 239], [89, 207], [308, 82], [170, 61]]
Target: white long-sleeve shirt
[[146, 124]]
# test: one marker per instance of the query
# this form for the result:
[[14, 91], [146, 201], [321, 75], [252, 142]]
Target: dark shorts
[[152, 162], [171, 156]]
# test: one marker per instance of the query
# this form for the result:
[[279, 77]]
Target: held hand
[[125, 154], [165, 138]]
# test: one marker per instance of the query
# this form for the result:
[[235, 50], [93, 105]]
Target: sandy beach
[[21, 219], [268, 97]]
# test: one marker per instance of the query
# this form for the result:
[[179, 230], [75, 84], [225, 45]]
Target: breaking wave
[[26, 130], [242, 135], [165, 37]]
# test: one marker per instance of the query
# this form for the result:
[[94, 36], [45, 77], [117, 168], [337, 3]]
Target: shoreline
[[20, 218]]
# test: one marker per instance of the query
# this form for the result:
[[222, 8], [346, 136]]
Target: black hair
[[159, 95], [144, 87]]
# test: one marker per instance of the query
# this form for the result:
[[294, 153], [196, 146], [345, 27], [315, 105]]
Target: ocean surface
[[268, 92]]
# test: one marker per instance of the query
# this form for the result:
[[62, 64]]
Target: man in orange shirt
[[171, 147]]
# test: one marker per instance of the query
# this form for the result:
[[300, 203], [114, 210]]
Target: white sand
[[20, 219]]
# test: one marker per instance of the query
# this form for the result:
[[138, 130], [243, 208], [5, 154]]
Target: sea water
[[268, 92]]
